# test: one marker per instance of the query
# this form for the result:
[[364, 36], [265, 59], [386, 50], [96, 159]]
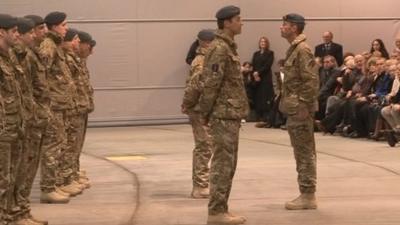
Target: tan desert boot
[[53, 197], [304, 201]]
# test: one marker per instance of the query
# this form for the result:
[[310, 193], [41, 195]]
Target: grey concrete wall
[[138, 68]]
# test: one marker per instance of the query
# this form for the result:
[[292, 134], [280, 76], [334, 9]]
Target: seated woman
[[378, 49], [378, 99]]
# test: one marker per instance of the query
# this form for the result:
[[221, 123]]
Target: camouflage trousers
[[76, 135], [68, 159], [301, 134], [82, 140], [202, 151], [10, 162], [54, 140], [28, 168], [225, 139], [5, 177]]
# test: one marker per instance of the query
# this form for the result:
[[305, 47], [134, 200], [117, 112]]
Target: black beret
[[71, 33], [24, 25], [93, 43], [55, 18], [38, 20], [7, 21], [206, 35], [294, 18], [227, 12], [85, 37]]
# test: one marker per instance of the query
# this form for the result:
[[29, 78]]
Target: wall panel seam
[[245, 19]]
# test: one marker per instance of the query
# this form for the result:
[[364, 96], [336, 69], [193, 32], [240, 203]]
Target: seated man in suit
[[329, 48]]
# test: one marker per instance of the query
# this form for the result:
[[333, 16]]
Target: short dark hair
[[300, 27], [220, 24]]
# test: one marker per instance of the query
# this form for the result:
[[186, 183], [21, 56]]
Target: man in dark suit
[[329, 48]]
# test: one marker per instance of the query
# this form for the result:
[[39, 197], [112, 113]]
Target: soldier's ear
[[2, 33]]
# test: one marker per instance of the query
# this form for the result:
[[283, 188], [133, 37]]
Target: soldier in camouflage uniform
[[77, 122], [62, 105], [32, 77], [87, 43], [223, 102], [11, 127], [203, 150], [299, 102], [21, 55]]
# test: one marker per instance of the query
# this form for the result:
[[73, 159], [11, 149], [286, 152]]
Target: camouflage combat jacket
[[81, 96], [88, 85], [301, 83], [18, 56], [61, 85], [193, 83], [224, 94], [40, 84], [11, 123]]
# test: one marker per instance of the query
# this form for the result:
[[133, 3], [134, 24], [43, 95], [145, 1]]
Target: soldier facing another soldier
[[223, 103], [299, 102], [203, 150]]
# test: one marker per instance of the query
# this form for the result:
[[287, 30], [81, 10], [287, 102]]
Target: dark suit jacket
[[336, 50]]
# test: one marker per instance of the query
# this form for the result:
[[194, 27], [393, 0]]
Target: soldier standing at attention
[[299, 102], [86, 46], [53, 183], [78, 120], [24, 63], [11, 124], [202, 151], [223, 103]]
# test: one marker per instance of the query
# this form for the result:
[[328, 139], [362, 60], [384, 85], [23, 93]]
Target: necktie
[[327, 47]]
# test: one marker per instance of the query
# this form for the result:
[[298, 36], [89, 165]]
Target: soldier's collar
[[201, 51], [223, 35], [55, 37], [69, 51], [20, 51], [72, 54], [300, 38]]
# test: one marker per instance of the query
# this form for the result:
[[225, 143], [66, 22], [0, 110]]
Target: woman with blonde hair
[[264, 91]]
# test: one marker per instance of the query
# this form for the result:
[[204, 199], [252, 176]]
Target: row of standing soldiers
[[45, 99]]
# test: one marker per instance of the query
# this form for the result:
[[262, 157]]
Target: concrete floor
[[142, 176]]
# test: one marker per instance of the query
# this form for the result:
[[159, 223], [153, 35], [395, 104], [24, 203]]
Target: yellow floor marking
[[126, 158]]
